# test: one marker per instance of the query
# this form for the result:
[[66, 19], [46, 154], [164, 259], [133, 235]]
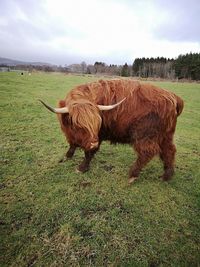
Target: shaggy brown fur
[[146, 120]]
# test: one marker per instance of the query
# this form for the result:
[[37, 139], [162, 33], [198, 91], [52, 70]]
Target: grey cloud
[[30, 39], [183, 23], [23, 38], [49, 27], [183, 18]]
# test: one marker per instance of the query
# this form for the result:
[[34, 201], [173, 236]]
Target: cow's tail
[[179, 105]]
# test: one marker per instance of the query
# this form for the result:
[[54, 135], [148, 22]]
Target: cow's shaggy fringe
[[85, 116]]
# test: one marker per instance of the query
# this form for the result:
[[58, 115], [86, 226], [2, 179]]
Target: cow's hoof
[[166, 178], [82, 169], [69, 156], [62, 160], [132, 179], [167, 175]]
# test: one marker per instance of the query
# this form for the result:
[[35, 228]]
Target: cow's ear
[[66, 119]]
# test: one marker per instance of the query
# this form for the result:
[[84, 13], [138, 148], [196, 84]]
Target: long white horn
[[102, 107], [55, 110]]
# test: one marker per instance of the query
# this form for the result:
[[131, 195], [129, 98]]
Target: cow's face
[[81, 125], [82, 138]]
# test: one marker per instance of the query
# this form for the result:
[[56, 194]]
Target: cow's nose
[[94, 145]]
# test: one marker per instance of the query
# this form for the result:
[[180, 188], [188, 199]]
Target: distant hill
[[13, 62]]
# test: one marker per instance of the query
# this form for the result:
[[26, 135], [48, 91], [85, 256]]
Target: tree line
[[184, 67], [188, 66]]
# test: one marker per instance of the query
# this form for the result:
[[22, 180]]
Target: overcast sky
[[112, 31]]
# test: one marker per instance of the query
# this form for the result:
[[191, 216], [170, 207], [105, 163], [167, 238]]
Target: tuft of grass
[[52, 216]]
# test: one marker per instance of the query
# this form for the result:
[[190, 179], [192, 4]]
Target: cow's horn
[[102, 107], [55, 110]]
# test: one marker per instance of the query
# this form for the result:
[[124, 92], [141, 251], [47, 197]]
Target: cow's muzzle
[[94, 145]]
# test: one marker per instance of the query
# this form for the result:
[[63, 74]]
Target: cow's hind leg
[[146, 150], [167, 155]]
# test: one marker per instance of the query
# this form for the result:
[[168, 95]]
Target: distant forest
[[184, 67]]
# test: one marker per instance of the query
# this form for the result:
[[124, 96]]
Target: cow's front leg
[[69, 153], [84, 166]]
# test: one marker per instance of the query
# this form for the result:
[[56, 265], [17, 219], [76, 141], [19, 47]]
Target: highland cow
[[121, 111]]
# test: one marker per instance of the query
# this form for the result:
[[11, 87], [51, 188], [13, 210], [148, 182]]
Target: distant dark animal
[[122, 111], [22, 73]]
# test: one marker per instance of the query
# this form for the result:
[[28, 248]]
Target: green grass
[[52, 216]]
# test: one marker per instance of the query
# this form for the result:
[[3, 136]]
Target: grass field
[[52, 216]]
